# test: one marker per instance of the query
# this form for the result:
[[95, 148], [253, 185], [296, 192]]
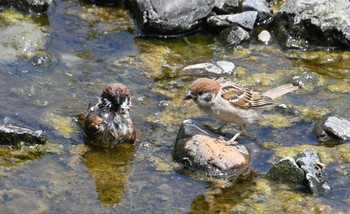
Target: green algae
[[331, 64], [340, 87], [268, 197], [338, 154], [62, 125], [162, 59], [312, 113], [103, 20], [11, 16], [308, 114], [14, 157]]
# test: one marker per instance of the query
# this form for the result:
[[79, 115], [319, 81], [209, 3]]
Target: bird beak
[[188, 96], [119, 100]]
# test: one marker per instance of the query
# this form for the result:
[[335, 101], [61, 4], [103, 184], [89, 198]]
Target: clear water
[[89, 46]]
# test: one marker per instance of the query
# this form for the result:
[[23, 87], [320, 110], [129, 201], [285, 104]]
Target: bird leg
[[232, 141]]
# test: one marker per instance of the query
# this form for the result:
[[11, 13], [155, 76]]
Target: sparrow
[[231, 103], [108, 122]]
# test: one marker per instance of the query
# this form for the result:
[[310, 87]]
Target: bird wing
[[243, 97]]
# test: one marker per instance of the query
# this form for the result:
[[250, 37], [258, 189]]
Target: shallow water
[[87, 47]]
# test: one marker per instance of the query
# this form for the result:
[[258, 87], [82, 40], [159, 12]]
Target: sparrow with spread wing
[[108, 122], [232, 103]]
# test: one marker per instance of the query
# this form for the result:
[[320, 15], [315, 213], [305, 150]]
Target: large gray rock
[[313, 23], [33, 6], [14, 135], [257, 5], [168, 17], [304, 169], [245, 20], [200, 149], [332, 128]]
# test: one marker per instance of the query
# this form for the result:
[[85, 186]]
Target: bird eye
[[200, 93]]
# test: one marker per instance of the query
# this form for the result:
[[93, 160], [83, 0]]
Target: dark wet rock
[[286, 171], [309, 161], [310, 24], [264, 37], [306, 79], [257, 5], [287, 110], [216, 68], [200, 149], [233, 36], [15, 135], [33, 6], [245, 20], [332, 128], [105, 2], [170, 18], [304, 169]]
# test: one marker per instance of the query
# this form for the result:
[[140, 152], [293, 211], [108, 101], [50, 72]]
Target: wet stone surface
[[332, 128], [15, 136], [300, 24], [199, 149], [305, 169], [217, 68]]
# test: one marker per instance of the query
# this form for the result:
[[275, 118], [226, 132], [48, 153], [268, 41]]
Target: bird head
[[116, 94], [203, 90]]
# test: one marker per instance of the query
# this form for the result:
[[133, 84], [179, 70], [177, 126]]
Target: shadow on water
[[111, 170]]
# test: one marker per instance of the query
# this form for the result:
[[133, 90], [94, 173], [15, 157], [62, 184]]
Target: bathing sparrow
[[108, 122], [231, 103]]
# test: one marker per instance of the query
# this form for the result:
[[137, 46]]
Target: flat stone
[[219, 67], [14, 135], [245, 20]]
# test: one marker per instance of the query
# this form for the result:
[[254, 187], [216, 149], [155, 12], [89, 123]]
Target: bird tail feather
[[280, 90]]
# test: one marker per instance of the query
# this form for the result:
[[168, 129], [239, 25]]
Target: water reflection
[[110, 169]]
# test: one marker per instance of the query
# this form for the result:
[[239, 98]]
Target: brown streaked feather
[[205, 84], [244, 97], [92, 124]]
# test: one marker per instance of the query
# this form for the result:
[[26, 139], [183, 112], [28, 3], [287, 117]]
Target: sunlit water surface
[[89, 47]]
